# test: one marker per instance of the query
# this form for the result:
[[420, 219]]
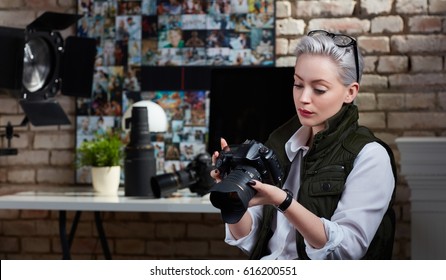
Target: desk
[[84, 199]]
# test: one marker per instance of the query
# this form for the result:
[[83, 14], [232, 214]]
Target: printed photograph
[[134, 34]]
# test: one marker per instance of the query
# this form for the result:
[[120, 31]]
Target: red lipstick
[[305, 113]]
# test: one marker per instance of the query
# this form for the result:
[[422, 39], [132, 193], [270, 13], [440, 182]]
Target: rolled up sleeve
[[368, 191], [246, 243]]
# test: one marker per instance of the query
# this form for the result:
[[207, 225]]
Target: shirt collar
[[297, 142]]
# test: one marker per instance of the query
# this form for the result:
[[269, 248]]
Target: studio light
[[37, 63]]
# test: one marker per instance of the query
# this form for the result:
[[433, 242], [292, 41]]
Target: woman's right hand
[[242, 227], [215, 174]]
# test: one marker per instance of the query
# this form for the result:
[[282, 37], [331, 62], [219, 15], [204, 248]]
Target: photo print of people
[[131, 35]]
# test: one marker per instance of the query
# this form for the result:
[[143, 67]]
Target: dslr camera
[[237, 166], [196, 176]]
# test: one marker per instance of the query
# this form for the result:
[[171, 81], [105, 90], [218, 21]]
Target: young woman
[[336, 200]]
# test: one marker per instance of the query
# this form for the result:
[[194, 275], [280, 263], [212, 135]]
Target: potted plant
[[104, 154]]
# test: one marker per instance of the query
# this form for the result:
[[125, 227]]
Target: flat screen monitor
[[248, 103]]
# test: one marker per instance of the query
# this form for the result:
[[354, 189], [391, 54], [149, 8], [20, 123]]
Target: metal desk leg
[[63, 235], [64, 241], [77, 216], [102, 237], [67, 241]]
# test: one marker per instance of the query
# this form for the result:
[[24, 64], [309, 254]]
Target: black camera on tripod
[[196, 176], [238, 165]]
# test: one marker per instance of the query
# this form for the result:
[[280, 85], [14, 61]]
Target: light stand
[[9, 134]]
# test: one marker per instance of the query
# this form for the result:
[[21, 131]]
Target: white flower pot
[[106, 179]]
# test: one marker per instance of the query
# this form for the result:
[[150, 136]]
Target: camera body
[[237, 166], [196, 176], [254, 154], [200, 169]]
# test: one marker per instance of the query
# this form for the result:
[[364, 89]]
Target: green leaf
[[104, 150]]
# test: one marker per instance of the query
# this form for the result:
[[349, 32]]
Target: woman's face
[[318, 91]]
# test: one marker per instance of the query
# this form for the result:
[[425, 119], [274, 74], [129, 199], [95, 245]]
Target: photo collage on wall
[[131, 35]]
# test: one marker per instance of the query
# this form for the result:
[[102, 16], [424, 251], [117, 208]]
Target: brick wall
[[403, 93]]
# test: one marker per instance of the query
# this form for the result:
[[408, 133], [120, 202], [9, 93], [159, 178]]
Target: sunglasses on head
[[342, 41]]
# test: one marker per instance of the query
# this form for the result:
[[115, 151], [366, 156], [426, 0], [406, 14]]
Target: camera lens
[[233, 194], [165, 184], [139, 133]]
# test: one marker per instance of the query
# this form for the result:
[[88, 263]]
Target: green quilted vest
[[324, 171]]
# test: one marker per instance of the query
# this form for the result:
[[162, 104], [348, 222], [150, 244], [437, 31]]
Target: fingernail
[[251, 182]]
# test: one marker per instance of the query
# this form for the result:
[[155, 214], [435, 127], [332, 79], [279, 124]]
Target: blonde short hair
[[344, 57]]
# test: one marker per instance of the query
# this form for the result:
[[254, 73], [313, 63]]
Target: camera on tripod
[[238, 165]]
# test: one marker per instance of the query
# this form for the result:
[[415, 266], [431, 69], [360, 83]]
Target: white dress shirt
[[368, 190]]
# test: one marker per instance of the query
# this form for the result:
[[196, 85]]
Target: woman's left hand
[[266, 194]]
